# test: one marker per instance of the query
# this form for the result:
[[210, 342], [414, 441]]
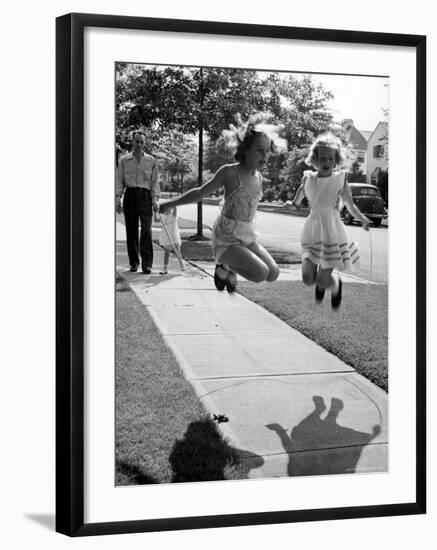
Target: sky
[[360, 98]]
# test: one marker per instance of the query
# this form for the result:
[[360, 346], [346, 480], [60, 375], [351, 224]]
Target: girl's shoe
[[336, 298], [220, 276], [164, 271], [231, 282], [319, 294]]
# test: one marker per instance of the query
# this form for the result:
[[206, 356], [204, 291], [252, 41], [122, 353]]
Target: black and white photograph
[[252, 224], [217, 297], [246, 338]]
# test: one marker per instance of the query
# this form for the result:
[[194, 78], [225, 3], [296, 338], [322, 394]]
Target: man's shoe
[[147, 270], [336, 299], [319, 294], [134, 268]]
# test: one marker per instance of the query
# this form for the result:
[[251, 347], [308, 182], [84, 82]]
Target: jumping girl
[[325, 245], [234, 236]]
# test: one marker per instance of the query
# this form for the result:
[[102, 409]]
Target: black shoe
[[336, 299], [133, 268], [319, 294], [218, 281], [231, 282], [147, 270]]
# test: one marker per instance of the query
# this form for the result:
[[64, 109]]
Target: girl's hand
[[164, 207], [366, 223]]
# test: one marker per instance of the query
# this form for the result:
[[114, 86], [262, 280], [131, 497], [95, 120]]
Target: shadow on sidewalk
[[203, 455], [319, 446]]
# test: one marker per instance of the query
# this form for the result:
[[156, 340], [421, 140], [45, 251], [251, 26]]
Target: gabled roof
[[357, 139], [381, 123]]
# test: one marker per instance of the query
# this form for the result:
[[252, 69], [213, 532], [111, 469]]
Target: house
[[377, 152], [357, 138], [371, 148]]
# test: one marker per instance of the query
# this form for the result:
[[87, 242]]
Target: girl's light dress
[[171, 224], [235, 224], [324, 239]]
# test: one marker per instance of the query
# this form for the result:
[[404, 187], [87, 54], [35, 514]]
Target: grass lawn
[[163, 433], [357, 333]]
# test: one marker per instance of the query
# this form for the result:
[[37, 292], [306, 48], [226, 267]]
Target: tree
[[216, 154], [195, 101], [176, 153], [382, 183], [356, 174], [302, 109], [292, 173]]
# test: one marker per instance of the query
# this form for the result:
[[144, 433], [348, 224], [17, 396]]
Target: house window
[[360, 159], [378, 151]]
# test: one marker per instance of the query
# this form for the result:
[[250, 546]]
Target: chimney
[[347, 125]]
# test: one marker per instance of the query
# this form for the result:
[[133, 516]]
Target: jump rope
[[159, 218]]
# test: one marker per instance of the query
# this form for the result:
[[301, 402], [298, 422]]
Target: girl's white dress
[[171, 224], [324, 238]]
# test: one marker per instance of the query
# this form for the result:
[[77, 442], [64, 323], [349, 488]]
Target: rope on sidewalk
[[178, 256]]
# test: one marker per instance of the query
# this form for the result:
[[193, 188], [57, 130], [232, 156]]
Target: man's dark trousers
[[137, 205]]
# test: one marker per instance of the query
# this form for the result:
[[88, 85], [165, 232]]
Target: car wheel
[[377, 222], [347, 218]]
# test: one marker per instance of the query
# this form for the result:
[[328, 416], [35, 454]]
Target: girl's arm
[[352, 207], [196, 194]]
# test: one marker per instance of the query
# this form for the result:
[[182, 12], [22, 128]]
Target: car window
[[363, 191]]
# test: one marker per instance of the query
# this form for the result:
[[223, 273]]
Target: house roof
[[381, 123], [360, 138], [357, 139]]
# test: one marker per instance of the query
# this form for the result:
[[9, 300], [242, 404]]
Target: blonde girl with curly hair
[[325, 244]]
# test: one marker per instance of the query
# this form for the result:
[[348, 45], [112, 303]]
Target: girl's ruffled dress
[[324, 238], [236, 222]]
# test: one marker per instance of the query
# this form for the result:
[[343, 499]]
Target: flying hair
[[239, 137]]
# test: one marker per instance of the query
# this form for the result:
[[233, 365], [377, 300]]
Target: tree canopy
[[176, 106]]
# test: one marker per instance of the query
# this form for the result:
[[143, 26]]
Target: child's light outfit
[[324, 239], [171, 224], [235, 224]]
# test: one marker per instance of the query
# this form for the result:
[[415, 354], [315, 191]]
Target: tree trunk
[[200, 167], [199, 183]]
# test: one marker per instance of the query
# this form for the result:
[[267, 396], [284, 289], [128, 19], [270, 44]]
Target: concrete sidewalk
[[293, 408]]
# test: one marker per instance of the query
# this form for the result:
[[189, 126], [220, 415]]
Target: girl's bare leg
[[166, 258], [246, 263], [266, 257], [309, 272], [179, 256]]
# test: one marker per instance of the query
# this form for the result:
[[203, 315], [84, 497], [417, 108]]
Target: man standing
[[137, 177]]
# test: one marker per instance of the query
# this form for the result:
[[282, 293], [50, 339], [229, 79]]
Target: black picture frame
[[70, 273]]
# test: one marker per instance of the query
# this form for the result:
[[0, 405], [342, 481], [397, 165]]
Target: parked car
[[368, 199]]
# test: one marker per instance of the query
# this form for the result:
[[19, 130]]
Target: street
[[283, 233]]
